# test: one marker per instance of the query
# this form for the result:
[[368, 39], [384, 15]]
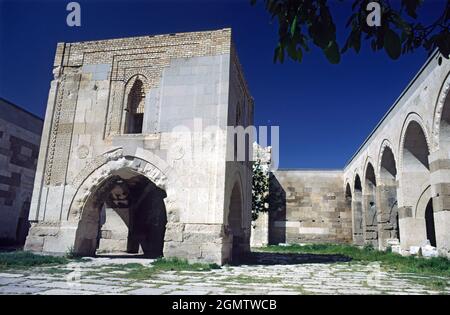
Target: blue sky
[[324, 111]]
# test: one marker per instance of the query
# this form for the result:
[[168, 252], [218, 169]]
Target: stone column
[[357, 219], [387, 214], [370, 220], [412, 230], [440, 191], [260, 231], [207, 243]]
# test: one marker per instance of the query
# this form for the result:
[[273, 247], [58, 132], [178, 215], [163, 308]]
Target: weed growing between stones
[[24, 260]]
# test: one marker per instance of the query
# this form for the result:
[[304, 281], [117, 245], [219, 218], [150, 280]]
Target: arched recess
[[429, 223], [415, 170], [134, 105], [358, 222], [370, 206], [235, 222], [387, 196], [414, 182], [124, 213], [116, 177], [348, 196]]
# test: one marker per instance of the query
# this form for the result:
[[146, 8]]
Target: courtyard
[[264, 273]]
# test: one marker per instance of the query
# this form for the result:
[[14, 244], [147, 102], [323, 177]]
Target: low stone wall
[[308, 207]]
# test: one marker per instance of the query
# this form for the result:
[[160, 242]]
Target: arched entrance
[[387, 198], [358, 228], [125, 213], [429, 223], [370, 207], [235, 223], [415, 185]]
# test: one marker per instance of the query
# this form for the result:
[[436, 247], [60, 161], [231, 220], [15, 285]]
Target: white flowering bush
[[260, 189]]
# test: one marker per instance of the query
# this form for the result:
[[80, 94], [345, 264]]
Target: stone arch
[[134, 105], [385, 145], [112, 162], [441, 117], [357, 212], [414, 167], [235, 220], [125, 212], [414, 181], [416, 120], [370, 207], [387, 195]]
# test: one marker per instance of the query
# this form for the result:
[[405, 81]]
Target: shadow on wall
[[277, 211]]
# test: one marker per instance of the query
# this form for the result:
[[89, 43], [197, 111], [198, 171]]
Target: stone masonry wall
[[308, 207], [20, 134]]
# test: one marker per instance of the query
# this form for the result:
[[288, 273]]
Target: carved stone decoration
[[438, 112], [83, 152], [104, 168]]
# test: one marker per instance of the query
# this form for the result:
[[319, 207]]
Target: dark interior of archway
[[235, 222], [135, 115], [358, 183], [429, 221], [358, 228], [370, 176], [348, 192], [388, 195], [415, 145], [139, 202], [370, 206], [388, 167]]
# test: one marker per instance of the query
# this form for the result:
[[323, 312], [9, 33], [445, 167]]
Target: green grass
[[140, 272], [24, 260], [439, 266]]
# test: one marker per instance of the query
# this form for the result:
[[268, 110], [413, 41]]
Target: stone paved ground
[[300, 276]]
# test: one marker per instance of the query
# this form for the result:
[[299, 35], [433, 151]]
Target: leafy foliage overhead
[[302, 22]]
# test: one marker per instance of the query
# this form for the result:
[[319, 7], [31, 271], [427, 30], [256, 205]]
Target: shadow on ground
[[262, 258]]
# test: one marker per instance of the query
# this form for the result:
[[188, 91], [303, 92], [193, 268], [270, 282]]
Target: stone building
[[308, 206], [135, 155], [399, 179], [20, 134], [394, 191]]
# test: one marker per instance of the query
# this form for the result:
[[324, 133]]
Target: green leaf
[[292, 51], [294, 26], [332, 53], [392, 44], [279, 54]]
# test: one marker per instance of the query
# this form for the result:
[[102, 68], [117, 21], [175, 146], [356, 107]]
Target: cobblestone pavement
[[322, 276]]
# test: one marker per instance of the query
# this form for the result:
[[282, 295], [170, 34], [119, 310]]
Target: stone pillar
[[260, 231], [370, 220], [387, 214], [357, 219], [440, 191], [206, 243], [412, 230], [52, 237]]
